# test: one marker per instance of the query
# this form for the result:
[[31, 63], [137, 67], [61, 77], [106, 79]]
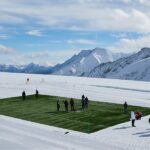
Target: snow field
[[108, 90], [16, 134]]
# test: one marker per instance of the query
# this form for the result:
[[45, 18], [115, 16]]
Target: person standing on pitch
[[72, 104], [86, 102], [125, 108], [23, 95], [36, 94], [66, 105], [58, 105], [83, 101]]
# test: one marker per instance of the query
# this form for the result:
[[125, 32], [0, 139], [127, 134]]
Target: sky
[[48, 32]]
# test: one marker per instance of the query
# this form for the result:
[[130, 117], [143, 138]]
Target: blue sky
[[48, 32]]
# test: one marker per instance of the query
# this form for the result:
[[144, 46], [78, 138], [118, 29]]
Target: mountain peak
[[99, 49], [85, 52], [145, 49], [133, 67], [85, 61], [144, 53]]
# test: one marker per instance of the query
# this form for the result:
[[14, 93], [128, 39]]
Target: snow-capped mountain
[[134, 67], [85, 61], [30, 68]]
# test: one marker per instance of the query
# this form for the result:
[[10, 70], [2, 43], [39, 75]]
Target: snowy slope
[[25, 135], [85, 61], [125, 136], [16, 134], [109, 90], [134, 67]]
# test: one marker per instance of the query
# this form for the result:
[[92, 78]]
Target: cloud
[[119, 35], [32, 17], [3, 36], [131, 45], [34, 33], [111, 15], [82, 41], [5, 50], [43, 57]]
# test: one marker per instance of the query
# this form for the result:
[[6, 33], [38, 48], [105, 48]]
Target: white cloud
[[120, 35], [96, 15], [5, 50], [43, 57], [3, 36], [35, 33], [114, 15], [131, 45], [82, 41]]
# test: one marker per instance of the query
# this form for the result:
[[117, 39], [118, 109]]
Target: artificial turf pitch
[[99, 115]]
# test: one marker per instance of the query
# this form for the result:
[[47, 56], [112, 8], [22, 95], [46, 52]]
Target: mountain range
[[98, 62], [30, 68], [134, 67], [85, 61]]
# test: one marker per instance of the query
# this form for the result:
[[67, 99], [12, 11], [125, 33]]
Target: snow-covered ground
[[17, 134], [109, 90], [125, 136], [27, 135]]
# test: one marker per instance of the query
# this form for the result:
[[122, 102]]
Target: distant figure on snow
[[23, 95], [42, 80], [36, 94], [125, 108], [132, 118], [58, 105], [28, 81], [72, 104]]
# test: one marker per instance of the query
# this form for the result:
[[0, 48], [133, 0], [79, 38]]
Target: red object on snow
[[138, 115]]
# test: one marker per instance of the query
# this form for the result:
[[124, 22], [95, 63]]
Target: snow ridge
[[134, 67], [85, 61]]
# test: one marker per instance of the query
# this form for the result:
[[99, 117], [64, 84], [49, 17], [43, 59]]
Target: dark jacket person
[[23, 95], [36, 94], [72, 104]]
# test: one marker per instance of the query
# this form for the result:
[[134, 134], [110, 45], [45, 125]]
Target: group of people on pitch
[[66, 105], [134, 115], [84, 103]]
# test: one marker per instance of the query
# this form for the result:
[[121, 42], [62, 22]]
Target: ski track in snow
[[16, 134]]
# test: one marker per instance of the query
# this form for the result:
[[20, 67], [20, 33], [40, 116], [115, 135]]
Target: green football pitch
[[99, 115]]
